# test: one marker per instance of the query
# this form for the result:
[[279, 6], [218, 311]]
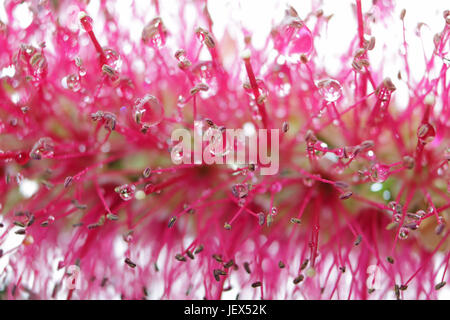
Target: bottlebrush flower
[[93, 207]]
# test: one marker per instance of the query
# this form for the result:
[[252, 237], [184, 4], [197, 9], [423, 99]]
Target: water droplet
[[205, 37], [22, 158], [183, 61], [126, 191], [216, 142], [330, 90], [426, 133], [205, 72], [31, 63], [82, 71], [181, 102], [379, 172], [128, 236], [177, 153], [113, 59], [420, 213], [148, 112], [240, 190], [292, 37], [155, 33], [404, 233], [86, 21], [263, 92], [256, 115], [72, 82], [43, 148]]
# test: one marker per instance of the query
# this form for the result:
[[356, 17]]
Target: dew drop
[[154, 33], [205, 72], [126, 191], [420, 213], [301, 40], [148, 111], [177, 153], [262, 88], [292, 37], [330, 90], [240, 191], [379, 172], [426, 133], [31, 62], [404, 233], [183, 61], [43, 148], [72, 82], [21, 158], [181, 102], [216, 142], [82, 71], [86, 21], [113, 59], [205, 37]]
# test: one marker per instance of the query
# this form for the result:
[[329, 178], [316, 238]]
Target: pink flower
[[93, 207]]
